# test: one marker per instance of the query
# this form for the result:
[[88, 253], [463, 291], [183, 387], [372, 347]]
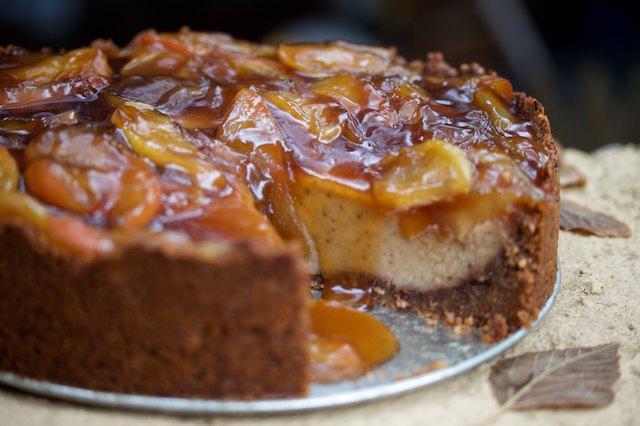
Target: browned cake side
[[155, 323]]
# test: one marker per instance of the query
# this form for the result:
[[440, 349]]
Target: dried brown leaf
[[561, 378], [570, 177], [581, 220]]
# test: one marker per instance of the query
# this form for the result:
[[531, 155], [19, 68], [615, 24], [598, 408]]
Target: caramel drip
[[346, 343], [355, 296]]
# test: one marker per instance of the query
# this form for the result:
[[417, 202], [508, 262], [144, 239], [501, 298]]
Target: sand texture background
[[599, 303]]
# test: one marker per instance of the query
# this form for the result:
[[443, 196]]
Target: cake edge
[[148, 321]]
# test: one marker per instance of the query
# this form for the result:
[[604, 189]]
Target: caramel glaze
[[346, 343], [206, 137]]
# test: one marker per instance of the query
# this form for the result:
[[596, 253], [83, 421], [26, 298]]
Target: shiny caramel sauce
[[351, 294], [211, 138], [346, 343], [189, 131]]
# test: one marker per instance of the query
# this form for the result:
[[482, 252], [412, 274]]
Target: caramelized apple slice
[[64, 232], [17, 132], [335, 325], [152, 53], [9, 174], [258, 68], [230, 218], [19, 205], [330, 58], [139, 198], [344, 87], [199, 43], [422, 174], [410, 98], [87, 62], [408, 90], [83, 171], [354, 95], [170, 57], [155, 62], [55, 184], [22, 127], [249, 123], [193, 106], [76, 75], [251, 129], [225, 209], [500, 116], [189, 54], [204, 43], [181, 197], [500, 86], [500, 173], [154, 136], [315, 116]]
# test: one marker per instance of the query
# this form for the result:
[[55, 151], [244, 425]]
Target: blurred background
[[580, 58]]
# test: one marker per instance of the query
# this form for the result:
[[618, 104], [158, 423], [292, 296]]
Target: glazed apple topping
[[346, 343], [84, 171], [216, 207], [186, 131], [189, 54], [63, 232], [249, 123], [153, 136], [423, 174], [331, 58], [74, 76], [9, 174], [316, 117]]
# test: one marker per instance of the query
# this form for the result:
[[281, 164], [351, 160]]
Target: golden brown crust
[[145, 322]]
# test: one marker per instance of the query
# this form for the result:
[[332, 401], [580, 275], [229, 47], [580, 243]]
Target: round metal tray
[[422, 349]]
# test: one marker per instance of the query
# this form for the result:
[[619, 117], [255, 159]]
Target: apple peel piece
[[9, 174], [423, 174]]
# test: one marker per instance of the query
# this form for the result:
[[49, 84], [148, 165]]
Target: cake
[[166, 207]]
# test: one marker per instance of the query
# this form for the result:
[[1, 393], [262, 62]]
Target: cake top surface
[[211, 137]]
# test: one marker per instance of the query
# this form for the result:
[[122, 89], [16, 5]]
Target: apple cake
[[166, 207]]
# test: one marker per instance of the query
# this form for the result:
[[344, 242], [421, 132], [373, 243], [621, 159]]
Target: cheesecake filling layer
[[350, 237]]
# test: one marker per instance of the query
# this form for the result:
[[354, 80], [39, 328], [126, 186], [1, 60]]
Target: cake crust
[[158, 323]]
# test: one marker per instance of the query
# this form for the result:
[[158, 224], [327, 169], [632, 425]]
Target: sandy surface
[[599, 303]]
